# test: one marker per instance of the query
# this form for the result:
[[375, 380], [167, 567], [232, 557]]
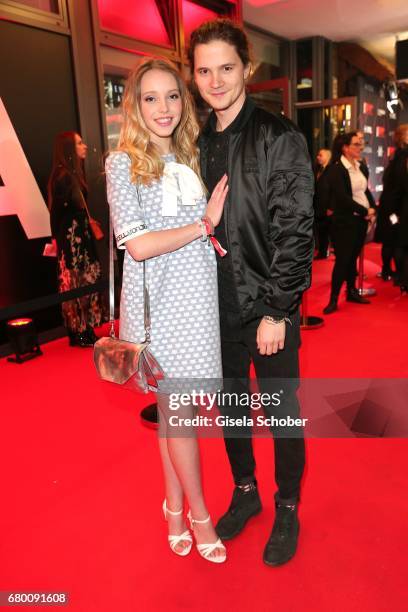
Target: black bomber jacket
[[269, 211]]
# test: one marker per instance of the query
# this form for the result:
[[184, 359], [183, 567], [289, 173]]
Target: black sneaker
[[282, 543], [243, 506]]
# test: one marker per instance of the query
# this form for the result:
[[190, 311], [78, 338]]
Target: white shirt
[[358, 182]]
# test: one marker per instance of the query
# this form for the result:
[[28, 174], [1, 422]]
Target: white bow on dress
[[179, 183]]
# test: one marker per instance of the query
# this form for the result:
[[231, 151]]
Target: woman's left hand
[[215, 205]]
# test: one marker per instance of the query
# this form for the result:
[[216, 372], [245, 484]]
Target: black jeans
[[238, 344], [348, 239]]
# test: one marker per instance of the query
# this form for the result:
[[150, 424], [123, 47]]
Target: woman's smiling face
[[160, 106]]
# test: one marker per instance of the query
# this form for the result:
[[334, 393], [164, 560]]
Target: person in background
[[354, 207], [363, 162], [337, 149], [388, 232], [78, 264], [364, 167], [396, 204], [321, 203]]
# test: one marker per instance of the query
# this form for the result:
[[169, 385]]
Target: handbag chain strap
[[146, 297], [111, 281]]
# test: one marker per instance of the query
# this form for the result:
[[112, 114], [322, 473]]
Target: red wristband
[[209, 226]]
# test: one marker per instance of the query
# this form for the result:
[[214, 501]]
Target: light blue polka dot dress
[[185, 337]]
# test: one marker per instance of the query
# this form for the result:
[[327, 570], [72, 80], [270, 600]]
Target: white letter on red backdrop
[[20, 194]]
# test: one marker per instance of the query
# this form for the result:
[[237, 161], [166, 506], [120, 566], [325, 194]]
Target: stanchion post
[[307, 321], [361, 289]]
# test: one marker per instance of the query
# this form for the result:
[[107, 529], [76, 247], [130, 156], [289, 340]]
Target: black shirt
[[217, 166]]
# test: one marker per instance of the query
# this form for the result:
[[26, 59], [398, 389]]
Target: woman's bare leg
[[183, 454], [173, 489]]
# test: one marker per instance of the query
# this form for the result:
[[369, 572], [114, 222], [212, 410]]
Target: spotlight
[[23, 339]]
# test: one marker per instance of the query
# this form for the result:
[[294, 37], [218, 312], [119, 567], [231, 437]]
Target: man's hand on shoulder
[[270, 337]]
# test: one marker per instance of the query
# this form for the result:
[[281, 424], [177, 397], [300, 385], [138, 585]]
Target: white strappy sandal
[[176, 539], [205, 550]]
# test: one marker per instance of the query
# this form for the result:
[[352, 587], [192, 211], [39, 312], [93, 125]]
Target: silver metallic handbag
[[128, 364]]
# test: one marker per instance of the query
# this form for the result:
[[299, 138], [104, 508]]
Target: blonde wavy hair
[[134, 139]]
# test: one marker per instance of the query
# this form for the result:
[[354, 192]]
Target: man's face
[[220, 74], [322, 157]]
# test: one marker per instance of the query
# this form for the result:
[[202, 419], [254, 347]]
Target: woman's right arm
[[126, 215], [156, 243]]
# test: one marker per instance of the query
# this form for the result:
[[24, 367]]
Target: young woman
[[78, 264], [160, 216]]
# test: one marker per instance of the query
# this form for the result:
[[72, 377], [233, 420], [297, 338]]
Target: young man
[[267, 230]]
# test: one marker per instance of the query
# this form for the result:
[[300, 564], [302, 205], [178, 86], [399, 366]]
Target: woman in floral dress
[[78, 263]]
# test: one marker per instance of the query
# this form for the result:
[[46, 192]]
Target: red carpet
[[82, 488]]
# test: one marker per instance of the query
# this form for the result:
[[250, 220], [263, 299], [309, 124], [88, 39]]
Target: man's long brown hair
[[65, 163]]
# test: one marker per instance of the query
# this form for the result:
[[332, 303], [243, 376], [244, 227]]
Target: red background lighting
[[140, 20], [194, 15]]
